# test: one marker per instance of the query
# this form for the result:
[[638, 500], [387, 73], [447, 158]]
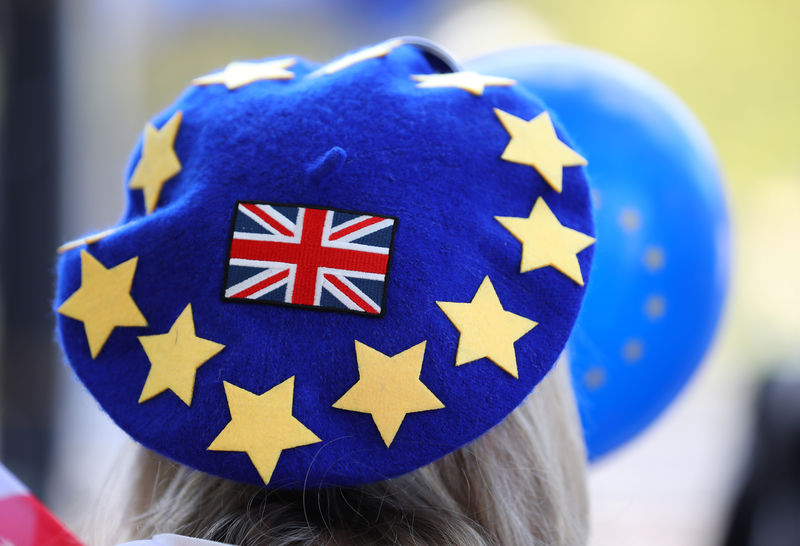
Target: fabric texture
[[364, 137]]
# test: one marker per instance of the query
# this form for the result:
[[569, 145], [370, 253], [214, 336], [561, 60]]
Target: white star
[[238, 74]]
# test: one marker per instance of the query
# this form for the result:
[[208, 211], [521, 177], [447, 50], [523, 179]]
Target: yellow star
[[468, 81], [103, 301], [389, 388], [175, 357], [88, 240], [546, 242], [262, 426], [535, 143], [374, 52], [158, 163], [654, 258], [238, 74], [487, 330]]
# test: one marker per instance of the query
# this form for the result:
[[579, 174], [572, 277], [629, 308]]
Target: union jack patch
[[309, 257]]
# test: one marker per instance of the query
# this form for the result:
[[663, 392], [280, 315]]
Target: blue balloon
[[661, 264]]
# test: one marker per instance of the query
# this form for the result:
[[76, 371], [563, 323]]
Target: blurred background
[[79, 78]]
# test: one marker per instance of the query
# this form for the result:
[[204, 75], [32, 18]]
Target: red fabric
[[24, 521]]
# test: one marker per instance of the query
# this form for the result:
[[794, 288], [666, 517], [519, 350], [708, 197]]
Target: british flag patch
[[309, 257]]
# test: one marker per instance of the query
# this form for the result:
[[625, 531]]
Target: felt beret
[[331, 275]]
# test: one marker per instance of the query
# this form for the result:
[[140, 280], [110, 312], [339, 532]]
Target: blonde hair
[[522, 483]]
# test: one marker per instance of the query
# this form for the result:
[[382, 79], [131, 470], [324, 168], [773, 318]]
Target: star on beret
[[88, 240], [546, 242], [468, 81], [262, 425], [536, 144], [374, 52], [158, 162], [175, 357], [389, 388], [238, 74], [103, 301], [487, 330]]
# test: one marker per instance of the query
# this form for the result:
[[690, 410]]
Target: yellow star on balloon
[[103, 302], [374, 52], [175, 357], [389, 388], [262, 426], [238, 74], [546, 242], [536, 144], [468, 81], [158, 162], [487, 330]]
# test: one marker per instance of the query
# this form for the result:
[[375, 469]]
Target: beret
[[331, 275]]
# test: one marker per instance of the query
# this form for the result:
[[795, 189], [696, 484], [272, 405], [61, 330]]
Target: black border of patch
[[298, 305]]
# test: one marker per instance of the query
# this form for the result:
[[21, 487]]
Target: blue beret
[[331, 275]]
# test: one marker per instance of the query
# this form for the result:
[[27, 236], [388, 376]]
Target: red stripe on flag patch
[[263, 284], [268, 219], [355, 227], [350, 294]]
